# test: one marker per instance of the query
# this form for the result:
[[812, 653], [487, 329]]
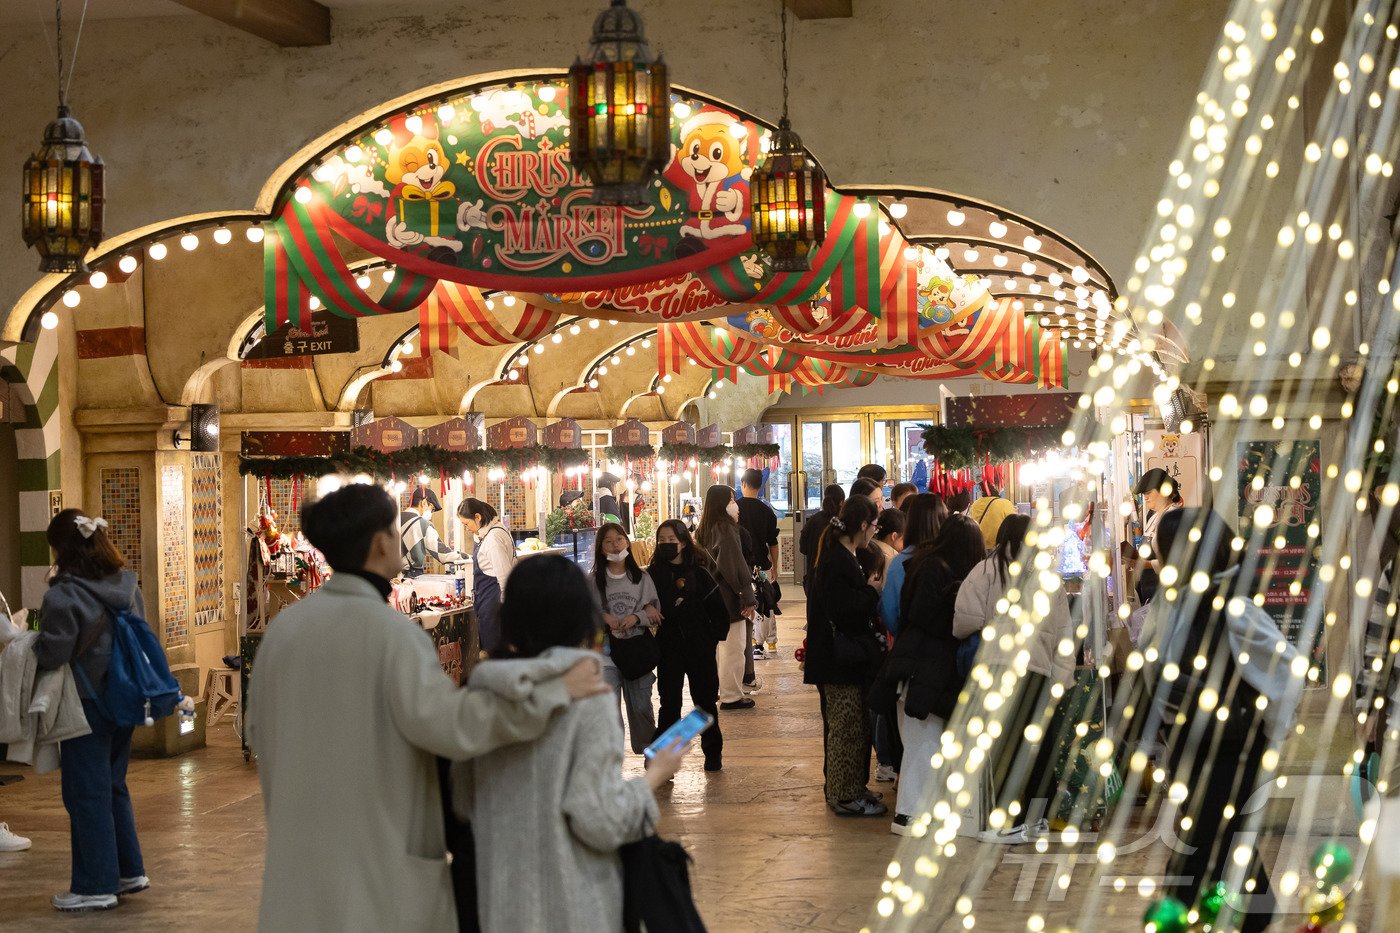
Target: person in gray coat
[[550, 815], [347, 708]]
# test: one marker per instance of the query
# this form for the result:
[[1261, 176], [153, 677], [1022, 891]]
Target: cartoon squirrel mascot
[[417, 168], [713, 169]]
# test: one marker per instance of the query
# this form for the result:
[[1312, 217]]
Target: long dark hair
[[690, 554], [871, 560], [832, 497], [1010, 537], [92, 557], [856, 513], [958, 548], [715, 522], [546, 605], [600, 559], [472, 507], [927, 513]]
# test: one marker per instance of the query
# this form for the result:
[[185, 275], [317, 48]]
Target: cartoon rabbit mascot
[[713, 169], [417, 168]]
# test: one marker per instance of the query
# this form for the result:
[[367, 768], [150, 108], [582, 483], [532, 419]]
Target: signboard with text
[[329, 333], [1285, 477]]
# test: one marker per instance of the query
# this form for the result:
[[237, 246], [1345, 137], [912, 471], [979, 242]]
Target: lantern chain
[[782, 7], [63, 83]]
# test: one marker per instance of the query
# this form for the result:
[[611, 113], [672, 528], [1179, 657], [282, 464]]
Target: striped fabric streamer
[[717, 349], [453, 308], [300, 255], [899, 322], [284, 299], [669, 356]]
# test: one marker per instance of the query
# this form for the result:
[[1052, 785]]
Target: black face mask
[[667, 551]]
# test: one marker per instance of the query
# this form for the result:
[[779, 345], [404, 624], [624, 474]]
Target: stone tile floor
[[768, 855]]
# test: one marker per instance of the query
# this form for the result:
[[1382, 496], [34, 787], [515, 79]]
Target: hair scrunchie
[[86, 525], [838, 524]]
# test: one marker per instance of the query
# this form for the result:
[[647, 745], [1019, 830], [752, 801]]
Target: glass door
[[831, 452]]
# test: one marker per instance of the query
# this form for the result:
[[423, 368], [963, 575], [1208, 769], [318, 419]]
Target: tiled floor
[[768, 856]]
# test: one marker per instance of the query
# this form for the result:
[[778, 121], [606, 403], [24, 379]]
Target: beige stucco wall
[[1065, 112]]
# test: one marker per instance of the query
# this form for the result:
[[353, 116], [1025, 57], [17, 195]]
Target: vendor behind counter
[[417, 536], [493, 558]]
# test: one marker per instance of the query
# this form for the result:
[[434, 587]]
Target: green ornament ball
[[1332, 863], [1212, 899], [1167, 915]]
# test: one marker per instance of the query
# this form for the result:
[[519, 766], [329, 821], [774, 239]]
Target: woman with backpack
[[631, 613], [550, 815], [719, 535], [693, 620], [844, 651], [88, 589], [923, 665], [1050, 661]]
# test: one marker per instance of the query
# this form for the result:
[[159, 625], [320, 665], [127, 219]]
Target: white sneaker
[[1010, 836], [133, 885], [74, 902], [9, 842], [884, 774], [755, 687]]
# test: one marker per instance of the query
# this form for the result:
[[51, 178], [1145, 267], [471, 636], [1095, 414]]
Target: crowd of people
[[367, 751]]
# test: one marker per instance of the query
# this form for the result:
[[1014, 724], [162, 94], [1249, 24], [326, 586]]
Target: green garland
[[420, 459], [681, 453], [629, 452], [746, 451], [961, 448]]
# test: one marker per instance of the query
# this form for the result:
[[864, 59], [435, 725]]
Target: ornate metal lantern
[[63, 197], [619, 110], [788, 193], [789, 202]]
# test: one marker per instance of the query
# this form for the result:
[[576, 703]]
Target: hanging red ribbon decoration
[[296, 492], [442, 479], [267, 499]]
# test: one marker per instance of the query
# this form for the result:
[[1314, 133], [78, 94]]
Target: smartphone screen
[[686, 728]]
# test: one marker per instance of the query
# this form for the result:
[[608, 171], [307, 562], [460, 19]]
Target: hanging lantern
[[789, 202], [63, 197], [787, 193], [619, 110]]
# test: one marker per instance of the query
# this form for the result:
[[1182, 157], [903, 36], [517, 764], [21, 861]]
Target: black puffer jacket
[[925, 653], [840, 600]]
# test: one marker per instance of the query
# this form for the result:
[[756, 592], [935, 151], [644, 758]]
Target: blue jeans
[[635, 697], [101, 825]]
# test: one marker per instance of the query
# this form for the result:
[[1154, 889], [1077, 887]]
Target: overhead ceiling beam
[[821, 9], [288, 23]]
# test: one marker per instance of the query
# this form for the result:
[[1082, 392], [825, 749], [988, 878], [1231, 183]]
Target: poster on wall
[[1285, 476], [1180, 455]]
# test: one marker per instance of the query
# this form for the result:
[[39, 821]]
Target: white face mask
[[617, 558], [733, 509]]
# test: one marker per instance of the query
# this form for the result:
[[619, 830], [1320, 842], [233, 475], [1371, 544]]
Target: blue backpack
[[140, 687]]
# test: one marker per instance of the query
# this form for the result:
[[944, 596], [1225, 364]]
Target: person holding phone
[[718, 534], [844, 651], [693, 620], [553, 812], [631, 613]]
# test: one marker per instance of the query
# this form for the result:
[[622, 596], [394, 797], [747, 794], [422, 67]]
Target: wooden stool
[[220, 693]]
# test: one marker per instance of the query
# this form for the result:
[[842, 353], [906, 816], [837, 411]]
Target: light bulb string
[[782, 18]]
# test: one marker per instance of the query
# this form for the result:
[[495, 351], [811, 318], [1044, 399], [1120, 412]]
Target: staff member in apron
[[492, 561]]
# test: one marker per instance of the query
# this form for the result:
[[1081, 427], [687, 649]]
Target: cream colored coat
[[347, 708]]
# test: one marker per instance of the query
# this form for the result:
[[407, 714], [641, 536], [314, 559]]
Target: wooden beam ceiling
[[288, 23], [821, 9]]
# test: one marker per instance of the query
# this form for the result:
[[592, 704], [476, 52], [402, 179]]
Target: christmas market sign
[[479, 189]]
